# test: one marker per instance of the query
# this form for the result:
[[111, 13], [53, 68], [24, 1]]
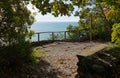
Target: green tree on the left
[[15, 19]]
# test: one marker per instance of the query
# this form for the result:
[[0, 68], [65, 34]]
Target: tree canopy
[[15, 19], [104, 13]]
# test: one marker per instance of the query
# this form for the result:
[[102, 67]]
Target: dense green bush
[[98, 32], [71, 34], [16, 55], [116, 33], [77, 32], [101, 33]]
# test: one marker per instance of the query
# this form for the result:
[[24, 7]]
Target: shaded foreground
[[58, 61]]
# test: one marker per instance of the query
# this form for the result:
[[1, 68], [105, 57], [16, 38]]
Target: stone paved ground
[[62, 56]]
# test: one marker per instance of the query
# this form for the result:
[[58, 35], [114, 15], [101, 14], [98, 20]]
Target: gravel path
[[62, 56]]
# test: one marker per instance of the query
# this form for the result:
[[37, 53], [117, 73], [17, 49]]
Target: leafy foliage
[[104, 13], [113, 15], [76, 32], [116, 33], [71, 34], [15, 20], [56, 7], [57, 36], [16, 55]]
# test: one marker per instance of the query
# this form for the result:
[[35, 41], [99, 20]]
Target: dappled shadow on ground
[[41, 69]]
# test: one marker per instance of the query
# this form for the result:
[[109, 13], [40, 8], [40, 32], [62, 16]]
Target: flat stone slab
[[93, 50]]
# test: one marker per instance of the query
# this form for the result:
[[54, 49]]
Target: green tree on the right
[[105, 13]]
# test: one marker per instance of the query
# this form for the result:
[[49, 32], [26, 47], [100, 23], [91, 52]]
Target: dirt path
[[62, 56]]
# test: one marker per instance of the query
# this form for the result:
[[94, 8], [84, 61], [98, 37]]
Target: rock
[[98, 68], [98, 65]]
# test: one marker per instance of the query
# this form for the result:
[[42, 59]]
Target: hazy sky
[[51, 18]]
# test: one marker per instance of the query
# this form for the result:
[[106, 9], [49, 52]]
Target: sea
[[49, 27]]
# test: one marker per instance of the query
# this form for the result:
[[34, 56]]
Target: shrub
[[57, 36], [78, 32], [116, 33], [16, 55], [101, 33]]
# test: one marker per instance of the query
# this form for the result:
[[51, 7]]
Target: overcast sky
[[51, 18]]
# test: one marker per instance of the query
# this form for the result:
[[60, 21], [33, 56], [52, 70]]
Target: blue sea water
[[49, 26]]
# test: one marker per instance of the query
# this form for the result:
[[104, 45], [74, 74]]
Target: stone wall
[[98, 65]]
